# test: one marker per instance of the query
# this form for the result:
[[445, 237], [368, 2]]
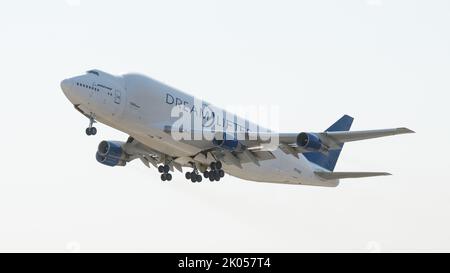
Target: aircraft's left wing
[[325, 141], [256, 146]]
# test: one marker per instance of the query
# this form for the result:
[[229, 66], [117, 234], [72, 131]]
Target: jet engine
[[311, 142], [110, 153], [228, 143]]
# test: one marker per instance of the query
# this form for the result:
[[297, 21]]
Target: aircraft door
[[92, 91], [96, 95], [117, 102], [117, 97]]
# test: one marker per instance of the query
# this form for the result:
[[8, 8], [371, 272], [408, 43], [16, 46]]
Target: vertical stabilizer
[[329, 161]]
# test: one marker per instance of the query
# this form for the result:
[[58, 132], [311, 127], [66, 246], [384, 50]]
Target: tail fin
[[329, 161]]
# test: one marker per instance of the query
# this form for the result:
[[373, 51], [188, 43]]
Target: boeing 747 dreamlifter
[[151, 114]]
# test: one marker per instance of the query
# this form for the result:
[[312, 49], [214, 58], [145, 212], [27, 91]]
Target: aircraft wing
[[257, 146], [347, 136], [341, 137], [289, 142], [334, 140], [137, 150]]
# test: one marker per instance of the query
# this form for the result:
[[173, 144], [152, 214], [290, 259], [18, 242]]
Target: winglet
[[404, 130]]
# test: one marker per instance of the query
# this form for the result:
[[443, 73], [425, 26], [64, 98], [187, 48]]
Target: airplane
[[144, 108]]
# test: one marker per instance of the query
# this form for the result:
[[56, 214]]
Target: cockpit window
[[93, 72]]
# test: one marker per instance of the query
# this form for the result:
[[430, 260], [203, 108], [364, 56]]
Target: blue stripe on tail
[[329, 161]]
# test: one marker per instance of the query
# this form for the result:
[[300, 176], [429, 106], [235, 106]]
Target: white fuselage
[[142, 107]]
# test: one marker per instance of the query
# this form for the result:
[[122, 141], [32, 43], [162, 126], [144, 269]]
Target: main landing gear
[[91, 131], [193, 176], [216, 172], [164, 170]]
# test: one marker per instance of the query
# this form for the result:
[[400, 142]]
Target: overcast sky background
[[386, 63]]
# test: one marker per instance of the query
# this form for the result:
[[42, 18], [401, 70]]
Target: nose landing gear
[[91, 131]]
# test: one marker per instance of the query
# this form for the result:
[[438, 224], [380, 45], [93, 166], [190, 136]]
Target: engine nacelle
[[228, 143], [311, 142], [110, 153]]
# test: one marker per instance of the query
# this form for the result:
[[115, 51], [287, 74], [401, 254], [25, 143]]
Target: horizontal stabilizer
[[341, 175]]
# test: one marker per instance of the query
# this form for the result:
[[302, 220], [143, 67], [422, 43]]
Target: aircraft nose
[[66, 85]]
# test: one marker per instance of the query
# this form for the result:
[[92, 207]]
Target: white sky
[[387, 63]]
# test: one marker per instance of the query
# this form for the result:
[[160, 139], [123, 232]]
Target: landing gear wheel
[[91, 131], [163, 177], [206, 174], [213, 165], [211, 176], [193, 178], [221, 173], [218, 165], [166, 168], [215, 175], [199, 178], [188, 175], [168, 177], [161, 168]]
